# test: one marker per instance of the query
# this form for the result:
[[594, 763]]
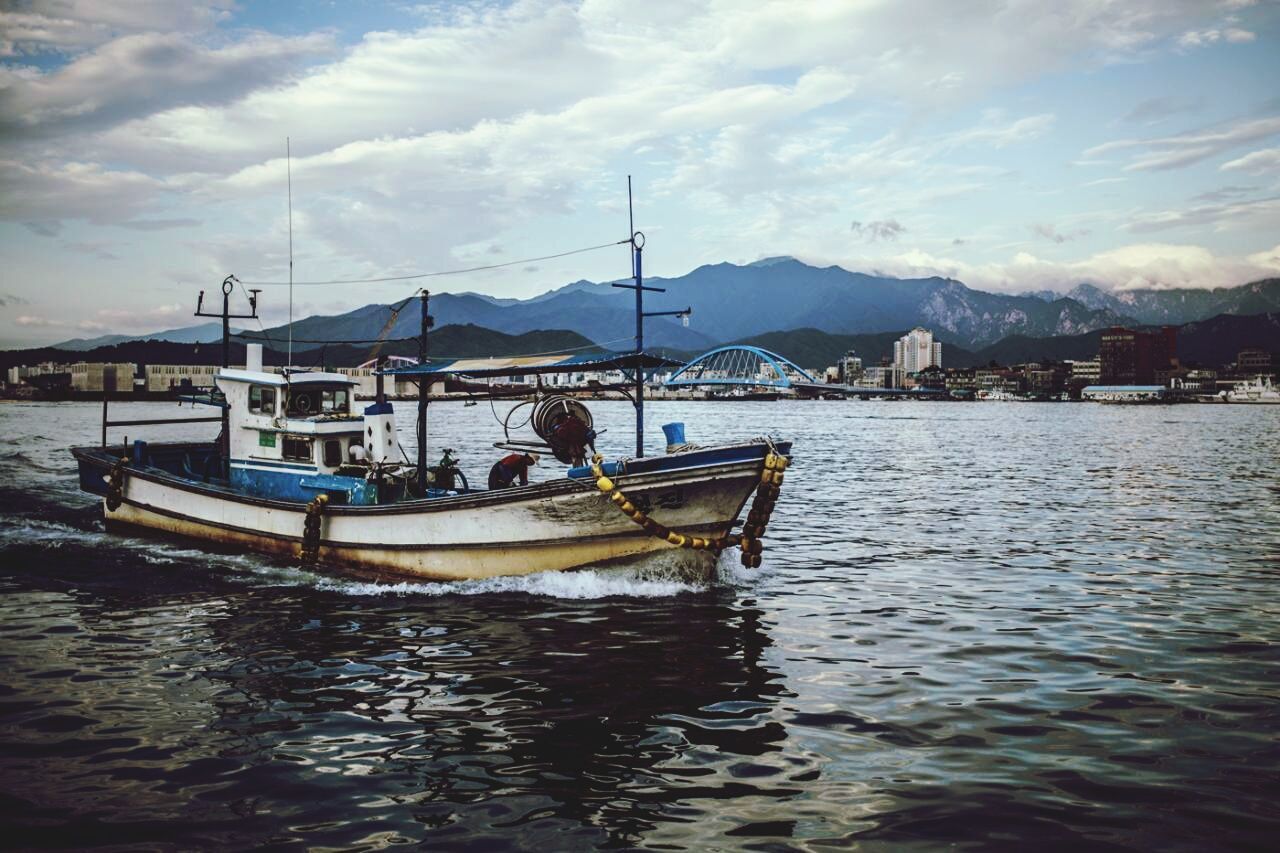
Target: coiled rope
[[766, 497]]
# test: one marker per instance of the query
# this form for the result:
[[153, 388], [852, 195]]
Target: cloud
[[1157, 109], [1174, 152], [35, 321], [1203, 38], [38, 194], [1262, 162], [1269, 258], [46, 228], [1222, 194], [1050, 232], [147, 320], [158, 224], [97, 249], [70, 26], [139, 75], [1220, 216], [1141, 265], [879, 229]]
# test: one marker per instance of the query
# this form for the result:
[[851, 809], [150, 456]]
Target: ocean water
[[983, 626]]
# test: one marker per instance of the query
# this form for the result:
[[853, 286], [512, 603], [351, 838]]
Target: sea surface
[[983, 626]]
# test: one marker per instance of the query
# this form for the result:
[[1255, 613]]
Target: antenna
[[631, 227], [288, 165]]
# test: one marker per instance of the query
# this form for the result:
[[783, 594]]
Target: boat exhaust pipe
[[253, 357]]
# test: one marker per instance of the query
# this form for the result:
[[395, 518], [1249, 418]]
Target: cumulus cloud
[[878, 229], [1142, 265], [1050, 232]]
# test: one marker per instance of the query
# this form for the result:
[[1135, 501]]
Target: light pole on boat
[[228, 285], [638, 285]]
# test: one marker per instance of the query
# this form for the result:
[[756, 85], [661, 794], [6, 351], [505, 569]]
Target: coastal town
[[1132, 365]]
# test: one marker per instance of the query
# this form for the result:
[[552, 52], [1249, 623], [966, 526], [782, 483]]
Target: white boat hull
[[554, 526]]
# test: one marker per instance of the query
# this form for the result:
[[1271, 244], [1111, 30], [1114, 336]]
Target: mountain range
[[1209, 343], [1182, 305], [733, 302]]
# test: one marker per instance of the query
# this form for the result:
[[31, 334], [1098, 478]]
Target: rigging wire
[[443, 272]]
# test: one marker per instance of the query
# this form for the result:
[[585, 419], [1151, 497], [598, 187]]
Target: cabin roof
[[279, 380]]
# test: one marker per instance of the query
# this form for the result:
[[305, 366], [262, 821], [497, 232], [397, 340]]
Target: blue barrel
[[674, 433]]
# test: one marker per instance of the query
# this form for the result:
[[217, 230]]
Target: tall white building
[[916, 350]]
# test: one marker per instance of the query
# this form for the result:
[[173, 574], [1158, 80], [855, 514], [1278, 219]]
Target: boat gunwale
[[105, 458]]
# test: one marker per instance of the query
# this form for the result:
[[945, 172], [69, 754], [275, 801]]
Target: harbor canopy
[[482, 367]]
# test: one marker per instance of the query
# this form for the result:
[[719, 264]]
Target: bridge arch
[[392, 361], [740, 365]]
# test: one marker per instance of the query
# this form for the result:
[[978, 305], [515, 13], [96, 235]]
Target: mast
[[228, 284], [288, 165], [637, 249], [637, 273], [424, 386]]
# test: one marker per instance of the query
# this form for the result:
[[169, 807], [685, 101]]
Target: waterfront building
[[1085, 372], [16, 375], [961, 379], [850, 369], [917, 350], [96, 376], [882, 376], [1253, 361], [168, 377], [1130, 357]]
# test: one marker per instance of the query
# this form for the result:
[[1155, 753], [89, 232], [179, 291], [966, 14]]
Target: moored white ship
[[1260, 390]]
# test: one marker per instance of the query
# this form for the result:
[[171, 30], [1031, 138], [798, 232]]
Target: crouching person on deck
[[505, 471]]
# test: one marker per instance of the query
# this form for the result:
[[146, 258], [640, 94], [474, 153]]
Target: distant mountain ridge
[[203, 334], [1180, 305], [446, 341], [1209, 343], [733, 302]]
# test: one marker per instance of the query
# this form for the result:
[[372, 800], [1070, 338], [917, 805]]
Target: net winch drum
[[549, 413]]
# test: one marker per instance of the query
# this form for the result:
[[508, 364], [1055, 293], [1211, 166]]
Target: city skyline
[[1014, 148]]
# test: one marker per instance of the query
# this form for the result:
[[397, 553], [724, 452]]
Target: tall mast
[[424, 386], [288, 165]]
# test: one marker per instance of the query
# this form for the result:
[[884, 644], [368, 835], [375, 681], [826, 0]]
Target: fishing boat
[[1260, 390], [297, 470]]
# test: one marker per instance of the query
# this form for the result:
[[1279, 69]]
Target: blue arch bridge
[[742, 367]]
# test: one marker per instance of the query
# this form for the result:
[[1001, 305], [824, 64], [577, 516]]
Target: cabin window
[[297, 448], [334, 401], [333, 452], [262, 399]]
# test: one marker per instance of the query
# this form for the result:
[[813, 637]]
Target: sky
[[1012, 144]]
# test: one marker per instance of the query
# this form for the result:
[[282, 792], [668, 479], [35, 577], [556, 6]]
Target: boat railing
[[106, 422]]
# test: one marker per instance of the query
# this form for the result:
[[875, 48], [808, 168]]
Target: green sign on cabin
[[266, 439]]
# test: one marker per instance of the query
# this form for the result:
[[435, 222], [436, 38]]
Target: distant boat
[[1260, 390]]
